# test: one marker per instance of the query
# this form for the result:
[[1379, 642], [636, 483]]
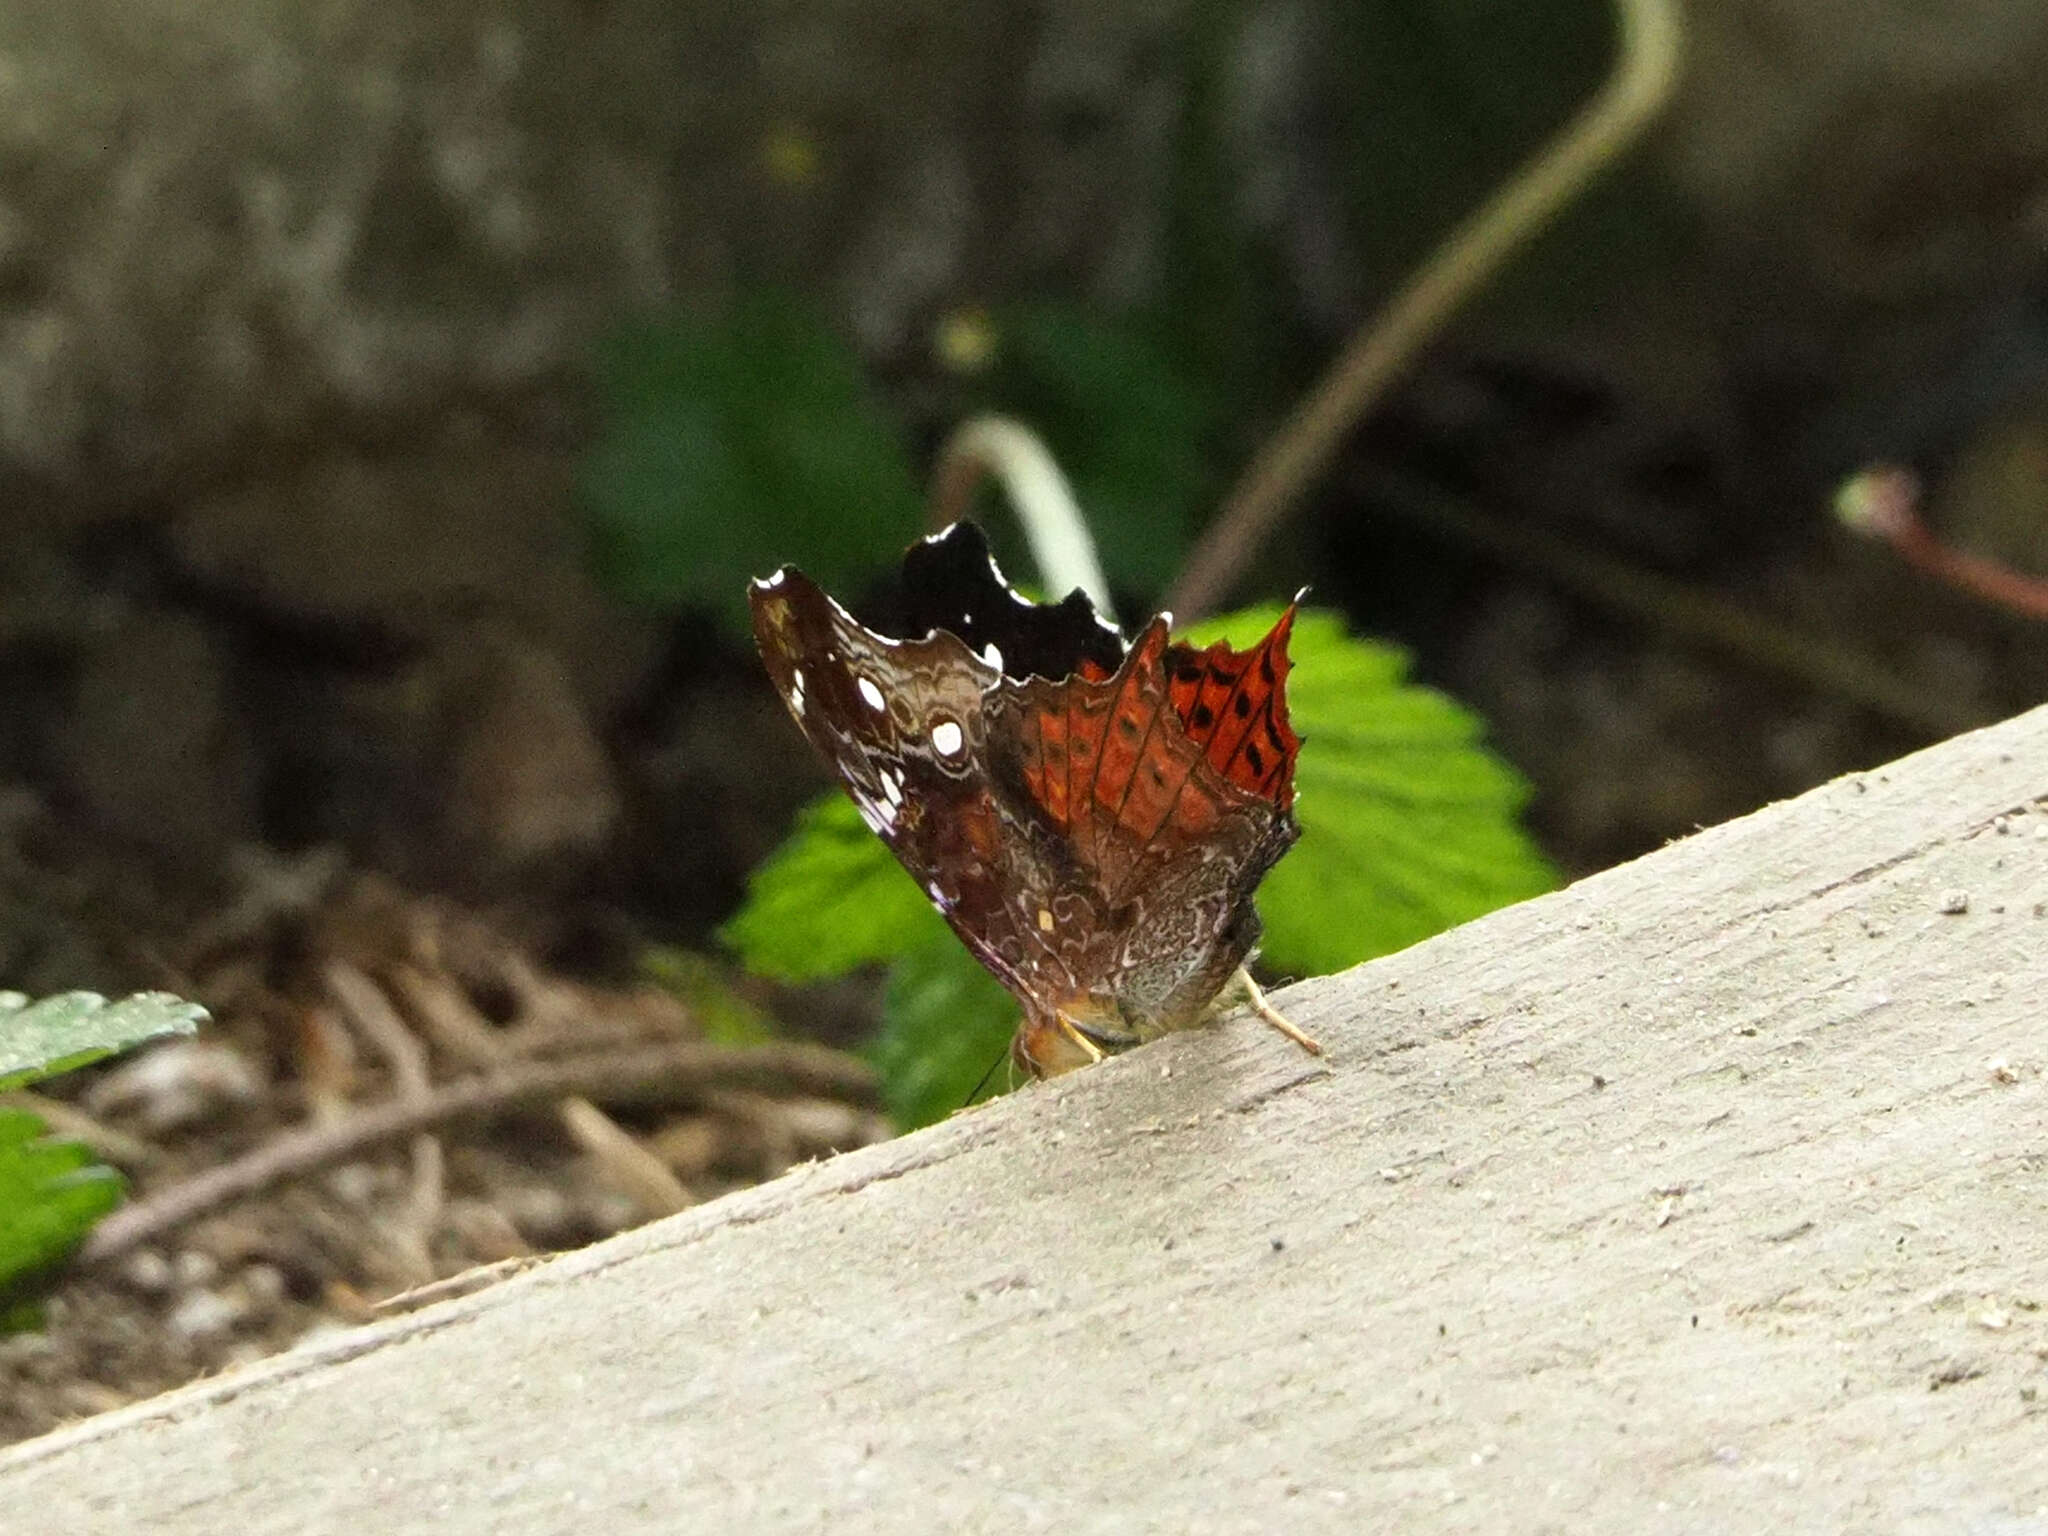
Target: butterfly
[[1090, 817]]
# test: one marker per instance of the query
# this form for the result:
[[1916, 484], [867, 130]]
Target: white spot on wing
[[796, 690], [880, 816], [872, 694], [992, 656], [947, 739]]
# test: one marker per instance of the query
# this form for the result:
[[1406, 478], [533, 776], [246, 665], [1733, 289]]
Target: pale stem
[[1061, 546]]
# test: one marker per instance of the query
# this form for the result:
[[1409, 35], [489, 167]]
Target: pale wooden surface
[[1694, 1198]]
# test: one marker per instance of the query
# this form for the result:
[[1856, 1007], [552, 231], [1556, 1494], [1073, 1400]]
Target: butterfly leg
[[1241, 988], [1048, 1047], [1067, 1028]]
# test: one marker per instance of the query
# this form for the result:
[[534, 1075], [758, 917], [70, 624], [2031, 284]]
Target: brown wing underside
[[879, 712]]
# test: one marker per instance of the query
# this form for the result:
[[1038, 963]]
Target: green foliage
[[39, 1040], [1409, 827], [733, 444], [945, 1023], [829, 900], [51, 1192]]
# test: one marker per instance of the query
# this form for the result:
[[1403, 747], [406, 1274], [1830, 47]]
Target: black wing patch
[[951, 583]]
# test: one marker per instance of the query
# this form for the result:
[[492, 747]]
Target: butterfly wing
[[951, 583], [1091, 822], [1166, 827], [1233, 704], [902, 723]]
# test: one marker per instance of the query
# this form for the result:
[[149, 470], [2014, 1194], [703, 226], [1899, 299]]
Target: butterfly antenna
[[991, 1072]]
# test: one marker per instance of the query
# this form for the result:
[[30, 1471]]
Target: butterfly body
[[1091, 820]]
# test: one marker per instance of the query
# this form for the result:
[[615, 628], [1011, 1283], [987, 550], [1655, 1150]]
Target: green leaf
[[734, 444], [51, 1193], [38, 1040], [832, 898], [1409, 825], [945, 1023]]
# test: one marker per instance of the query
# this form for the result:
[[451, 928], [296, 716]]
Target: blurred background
[[395, 398]]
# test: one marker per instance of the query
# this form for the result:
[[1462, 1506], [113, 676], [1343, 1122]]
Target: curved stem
[[1644, 73], [1884, 502], [1061, 546]]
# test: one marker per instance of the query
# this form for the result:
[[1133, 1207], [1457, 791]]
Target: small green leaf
[[671, 500], [51, 1193], [829, 900], [734, 444], [40, 1039], [945, 1023]]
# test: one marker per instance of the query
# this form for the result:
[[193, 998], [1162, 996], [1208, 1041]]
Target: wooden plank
[[1705, 1195]]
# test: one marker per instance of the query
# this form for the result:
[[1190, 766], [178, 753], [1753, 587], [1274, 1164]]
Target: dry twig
[[371, 1012], [447, 1017], [466, 1283], [1675, 609], [621, 1160], [671, 1073]]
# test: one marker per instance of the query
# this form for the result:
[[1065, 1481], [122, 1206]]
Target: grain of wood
[[1706, 1195]]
